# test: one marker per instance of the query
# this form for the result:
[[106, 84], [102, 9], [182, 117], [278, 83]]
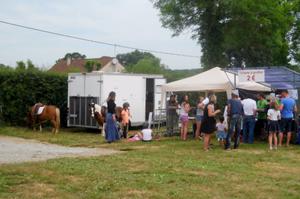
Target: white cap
[[235, 92]]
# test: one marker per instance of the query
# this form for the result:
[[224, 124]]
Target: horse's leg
[[53, 126], [33, 125], [57, 120], [40, 127], [103, 130]]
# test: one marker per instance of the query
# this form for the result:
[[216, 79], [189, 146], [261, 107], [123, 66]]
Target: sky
[[127, 22]]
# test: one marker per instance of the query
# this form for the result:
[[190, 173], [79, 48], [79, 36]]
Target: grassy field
[[168, 168]]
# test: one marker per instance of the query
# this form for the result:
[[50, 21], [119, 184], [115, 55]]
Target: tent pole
[[228, 77], [234, 81]]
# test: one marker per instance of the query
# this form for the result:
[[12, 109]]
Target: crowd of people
[[271, 117], [115, 131]]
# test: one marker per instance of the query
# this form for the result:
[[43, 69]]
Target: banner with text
[[251, 75]]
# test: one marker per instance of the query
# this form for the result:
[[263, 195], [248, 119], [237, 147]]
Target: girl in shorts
[[184, 119], [221, 131], [273, 117]]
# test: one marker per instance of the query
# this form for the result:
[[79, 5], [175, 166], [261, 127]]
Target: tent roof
[[215, 80]]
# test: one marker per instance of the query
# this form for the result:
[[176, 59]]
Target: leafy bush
[[20, 90]]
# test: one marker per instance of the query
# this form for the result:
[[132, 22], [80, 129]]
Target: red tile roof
[[77, 65]]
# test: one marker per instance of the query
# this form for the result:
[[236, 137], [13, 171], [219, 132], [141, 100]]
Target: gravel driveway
[[17, 150]]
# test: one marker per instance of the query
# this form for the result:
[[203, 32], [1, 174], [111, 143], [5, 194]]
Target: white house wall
[[110, 67]]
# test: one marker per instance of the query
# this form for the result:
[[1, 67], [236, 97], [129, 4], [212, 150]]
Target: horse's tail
[[57, 117]]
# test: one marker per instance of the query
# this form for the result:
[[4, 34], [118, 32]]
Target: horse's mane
[[97, 108]]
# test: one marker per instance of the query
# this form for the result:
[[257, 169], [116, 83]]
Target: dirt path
[[17, 150]]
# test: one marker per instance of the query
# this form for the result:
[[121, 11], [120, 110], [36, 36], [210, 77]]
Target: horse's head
[[98, 113], [92, 109], [30, 119]]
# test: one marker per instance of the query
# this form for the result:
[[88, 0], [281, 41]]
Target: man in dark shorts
[[235, 113], [288, 107]]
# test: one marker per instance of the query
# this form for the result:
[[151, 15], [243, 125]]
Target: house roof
[[77, 65]]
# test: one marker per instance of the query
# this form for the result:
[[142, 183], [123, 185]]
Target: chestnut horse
[[50, 113], [99, 113]]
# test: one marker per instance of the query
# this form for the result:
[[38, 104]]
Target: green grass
[[168, 168]]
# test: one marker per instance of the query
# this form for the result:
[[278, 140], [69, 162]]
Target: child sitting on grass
[[145, 135], [221, 131]]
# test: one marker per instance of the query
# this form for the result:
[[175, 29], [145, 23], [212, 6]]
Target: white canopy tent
[[215, 80]]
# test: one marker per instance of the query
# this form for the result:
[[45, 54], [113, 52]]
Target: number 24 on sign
[[251, 77]]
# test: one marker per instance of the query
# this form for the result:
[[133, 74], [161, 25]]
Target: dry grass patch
[[36, 190], [275, 167], [135, 193], [251, 151], [199, 172]]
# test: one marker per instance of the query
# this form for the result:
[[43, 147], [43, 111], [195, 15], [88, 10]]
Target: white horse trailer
[[141, 91]]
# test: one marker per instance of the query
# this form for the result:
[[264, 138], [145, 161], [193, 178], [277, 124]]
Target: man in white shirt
[[249, 106]]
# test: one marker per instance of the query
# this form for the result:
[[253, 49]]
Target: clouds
[[127, 22]]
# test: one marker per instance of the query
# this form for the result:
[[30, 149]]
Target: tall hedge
[[21, 89]]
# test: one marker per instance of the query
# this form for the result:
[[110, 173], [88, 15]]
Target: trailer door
[[83, 89], [149, 96]]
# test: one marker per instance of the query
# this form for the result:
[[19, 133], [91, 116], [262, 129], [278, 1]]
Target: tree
[[295, 35], [74, 55], [30, 65], [3, 66], [98, 66], [254, 31], [147, 65], [133, 58], [21, 65], [91, 64]]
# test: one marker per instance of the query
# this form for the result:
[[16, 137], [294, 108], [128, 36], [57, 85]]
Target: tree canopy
[[90, 65], [257, 32], [295, 35], [132, 58], [74, 55], [147, 65], [21, 65]]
